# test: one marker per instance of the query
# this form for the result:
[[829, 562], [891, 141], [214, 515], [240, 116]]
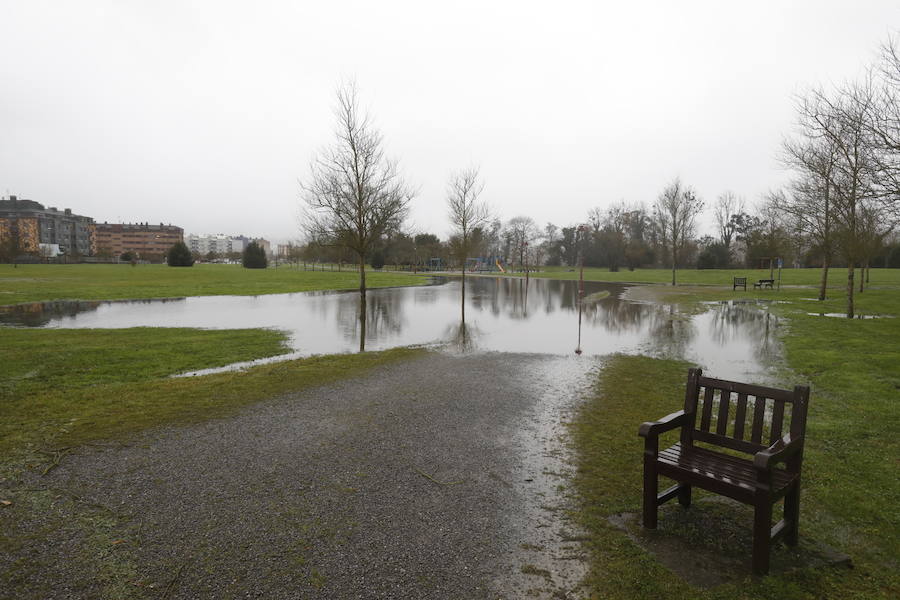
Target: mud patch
[[710, 543]]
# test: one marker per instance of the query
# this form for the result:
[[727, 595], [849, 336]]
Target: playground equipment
[[499, 266]]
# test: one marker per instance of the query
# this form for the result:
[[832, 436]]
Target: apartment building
[[37, 229]]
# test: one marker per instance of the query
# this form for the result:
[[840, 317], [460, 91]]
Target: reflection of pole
[[581, 230], [578, 348], [362, 322]]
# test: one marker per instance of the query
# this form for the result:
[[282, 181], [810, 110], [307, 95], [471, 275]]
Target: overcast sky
[[205, 114]]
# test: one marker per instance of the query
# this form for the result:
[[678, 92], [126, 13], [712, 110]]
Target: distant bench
[[739, 281], [764, 283]]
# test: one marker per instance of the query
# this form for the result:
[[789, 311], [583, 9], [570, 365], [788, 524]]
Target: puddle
[[549, 560], [731, 340]]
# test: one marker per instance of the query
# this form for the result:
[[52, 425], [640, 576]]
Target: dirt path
[[379, 487]]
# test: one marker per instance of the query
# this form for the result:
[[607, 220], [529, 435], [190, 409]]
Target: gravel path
[[442, 477]]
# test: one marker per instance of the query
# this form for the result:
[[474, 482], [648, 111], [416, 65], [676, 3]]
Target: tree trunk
[[850, 289], [862, 277], [463, 294], [823, 285], [673, 264], [362, 276]]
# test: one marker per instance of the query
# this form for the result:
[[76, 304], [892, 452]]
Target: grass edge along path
[[46, 416], [634, 389]]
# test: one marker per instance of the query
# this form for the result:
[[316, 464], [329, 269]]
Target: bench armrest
[[778, 452], [667, 423]]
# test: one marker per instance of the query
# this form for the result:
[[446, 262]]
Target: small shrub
[[377, 261]]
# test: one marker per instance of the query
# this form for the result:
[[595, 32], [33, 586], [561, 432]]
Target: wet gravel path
[[442, 477]]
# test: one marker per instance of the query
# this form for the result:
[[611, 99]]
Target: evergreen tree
[[179, 256], [254, 257]]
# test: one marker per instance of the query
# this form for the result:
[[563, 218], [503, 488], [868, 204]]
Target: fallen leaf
[[5, 502], [117, 542]]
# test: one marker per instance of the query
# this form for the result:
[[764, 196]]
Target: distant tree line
[[840, 208]]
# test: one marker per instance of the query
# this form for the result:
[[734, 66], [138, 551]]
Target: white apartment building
[[218, 243]]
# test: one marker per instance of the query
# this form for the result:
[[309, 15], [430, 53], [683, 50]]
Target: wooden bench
[[755, 480], [764, 283], [739, 281]]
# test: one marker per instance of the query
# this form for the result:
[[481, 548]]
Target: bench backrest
[[740, 280], [740, 416]]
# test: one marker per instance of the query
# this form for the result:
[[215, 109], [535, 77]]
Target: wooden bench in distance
[[756, 480], [764, 283], [739, 281]]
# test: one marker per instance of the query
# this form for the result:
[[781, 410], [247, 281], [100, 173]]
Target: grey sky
[[205, 114]]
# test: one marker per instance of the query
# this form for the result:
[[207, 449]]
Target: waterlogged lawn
[[61, 388], [850, 469], [31, 283]]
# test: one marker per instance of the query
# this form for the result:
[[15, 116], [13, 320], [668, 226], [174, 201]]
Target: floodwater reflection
[[502, 314]]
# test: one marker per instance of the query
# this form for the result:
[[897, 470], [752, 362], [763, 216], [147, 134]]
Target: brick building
[[35, 228], [149, 242]]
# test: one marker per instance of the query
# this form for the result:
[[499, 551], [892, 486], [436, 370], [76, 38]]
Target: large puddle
[[729, 340]]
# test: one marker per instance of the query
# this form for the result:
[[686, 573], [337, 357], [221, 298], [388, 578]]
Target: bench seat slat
[[726, 471]]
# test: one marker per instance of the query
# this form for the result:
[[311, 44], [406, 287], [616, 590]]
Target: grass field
[[837, 278], [850, 470], [31, 283]]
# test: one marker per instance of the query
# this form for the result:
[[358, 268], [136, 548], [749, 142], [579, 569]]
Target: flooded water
[[502, 314]]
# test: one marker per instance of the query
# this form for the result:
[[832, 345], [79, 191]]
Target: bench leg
[[762, 531], [792, 516], [684, 495], [651, 487]]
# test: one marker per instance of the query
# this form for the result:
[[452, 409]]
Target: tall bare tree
[[675, 215], [844, 120], [812, 154], [467, 213], [522, 232], [885, 123], [354, 193], [727, 206]]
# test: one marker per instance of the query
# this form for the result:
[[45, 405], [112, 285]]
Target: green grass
[[850, 469], [31, 283], [61, 388], [837, 278]]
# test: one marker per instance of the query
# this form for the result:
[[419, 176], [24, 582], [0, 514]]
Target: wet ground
[[380, 487]]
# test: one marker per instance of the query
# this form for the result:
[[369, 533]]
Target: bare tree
[[844, 120], [885, 121], [727, 206], [675, 214], [810, 205], [467, 213], [522, 232], [354, 194]]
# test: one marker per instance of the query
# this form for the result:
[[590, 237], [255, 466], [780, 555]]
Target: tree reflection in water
[[502, 314]]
